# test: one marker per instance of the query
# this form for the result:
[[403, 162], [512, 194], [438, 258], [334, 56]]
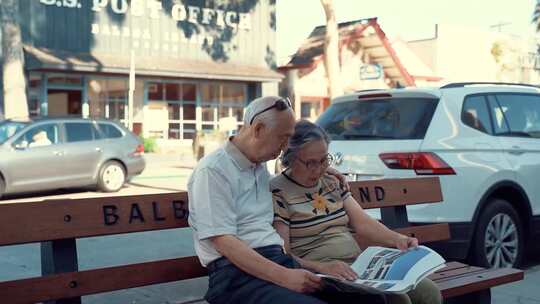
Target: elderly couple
[[263, 239]]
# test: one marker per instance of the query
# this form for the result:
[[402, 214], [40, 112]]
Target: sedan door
[[82, 155], [34, 165]]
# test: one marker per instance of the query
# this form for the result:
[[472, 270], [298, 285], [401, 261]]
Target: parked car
[[481, 139], [52, 153]]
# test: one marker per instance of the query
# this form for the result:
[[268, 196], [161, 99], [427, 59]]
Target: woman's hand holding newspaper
[[404, 242], [338, 269]]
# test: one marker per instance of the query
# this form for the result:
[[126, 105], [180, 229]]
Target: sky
[[407, 19]]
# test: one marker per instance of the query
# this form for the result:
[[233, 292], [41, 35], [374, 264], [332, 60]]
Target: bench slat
[[396, 192], [87, 282], [477, 281], [427, 233], [452, 266], [60, 219], [455, 273]]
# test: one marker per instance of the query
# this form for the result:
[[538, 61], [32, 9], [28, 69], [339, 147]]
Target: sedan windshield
[[9, 128]]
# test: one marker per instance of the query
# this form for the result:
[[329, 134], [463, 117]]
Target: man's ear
[[258, 129]]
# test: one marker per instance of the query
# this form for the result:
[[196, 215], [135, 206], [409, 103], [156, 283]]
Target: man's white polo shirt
[[228, 194]]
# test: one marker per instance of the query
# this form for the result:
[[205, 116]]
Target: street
[[166, 173], [163, 173]]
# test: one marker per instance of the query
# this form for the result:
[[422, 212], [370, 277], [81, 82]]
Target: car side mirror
[[23, 145]]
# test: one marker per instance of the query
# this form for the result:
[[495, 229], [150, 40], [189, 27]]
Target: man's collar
[[238, 157]]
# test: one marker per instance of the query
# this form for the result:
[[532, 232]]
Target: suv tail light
[[423, 163], [138, 151]]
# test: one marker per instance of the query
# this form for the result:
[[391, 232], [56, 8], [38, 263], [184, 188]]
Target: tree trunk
[[15, 103], [331, 51]]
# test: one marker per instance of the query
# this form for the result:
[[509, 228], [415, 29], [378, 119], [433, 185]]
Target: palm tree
[[536, 15], [14, 84], [331, 51]]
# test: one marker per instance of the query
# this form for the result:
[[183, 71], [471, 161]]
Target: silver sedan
[[52, 153]]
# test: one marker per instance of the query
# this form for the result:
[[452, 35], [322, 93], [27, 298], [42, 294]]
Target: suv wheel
[[498, 239], [112, 177]]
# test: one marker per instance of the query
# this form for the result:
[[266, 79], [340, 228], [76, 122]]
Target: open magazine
[[387, 270]]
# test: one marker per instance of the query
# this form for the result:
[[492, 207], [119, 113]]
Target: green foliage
[[149, 144], [496, 51]]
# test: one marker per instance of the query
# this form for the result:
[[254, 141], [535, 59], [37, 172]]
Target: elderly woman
[[314, 216]]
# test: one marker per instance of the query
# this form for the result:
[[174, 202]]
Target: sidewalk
[[166, 171], [177, 160]]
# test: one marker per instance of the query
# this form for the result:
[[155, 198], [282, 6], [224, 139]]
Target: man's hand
[[342, 179], [338, 269], [301, 280], [404, 242]]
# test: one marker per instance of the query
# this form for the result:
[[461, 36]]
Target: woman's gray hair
[[305, 132]]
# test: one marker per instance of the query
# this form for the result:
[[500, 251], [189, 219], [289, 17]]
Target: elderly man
[[231, 215]]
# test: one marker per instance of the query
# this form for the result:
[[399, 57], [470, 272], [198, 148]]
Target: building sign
[[530, 61], [370, 71], [192, 30], [63, 3], [152, 8], [142, 12]]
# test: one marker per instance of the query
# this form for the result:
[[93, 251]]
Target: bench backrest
[[56, 224], [393, 195]]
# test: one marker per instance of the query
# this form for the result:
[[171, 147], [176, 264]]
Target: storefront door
[[64, 102]]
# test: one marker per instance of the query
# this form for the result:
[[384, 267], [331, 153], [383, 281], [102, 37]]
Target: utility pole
[[131, 85], [500, 25]]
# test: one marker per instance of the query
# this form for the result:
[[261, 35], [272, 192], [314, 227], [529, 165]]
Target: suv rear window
[[393, 118]]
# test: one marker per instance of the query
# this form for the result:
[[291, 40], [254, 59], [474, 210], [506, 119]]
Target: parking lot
[[167, 173]]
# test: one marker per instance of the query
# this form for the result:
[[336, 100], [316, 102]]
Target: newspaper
[[387, 270]]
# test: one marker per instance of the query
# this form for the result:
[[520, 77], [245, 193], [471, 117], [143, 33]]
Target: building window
[[155, 91], [108, 98], [221, 101], [186, 108], [181, 101], [34, 92], [310, 110], [209, 105]]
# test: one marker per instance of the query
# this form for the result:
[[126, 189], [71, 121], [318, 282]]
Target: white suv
[[481, 139]]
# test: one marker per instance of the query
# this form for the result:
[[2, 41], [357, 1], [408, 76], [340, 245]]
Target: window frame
[[96, 135], [490, 130], [492, 97], [102, 133], [32, 127]]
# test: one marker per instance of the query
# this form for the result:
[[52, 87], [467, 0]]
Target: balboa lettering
[[112, 215]]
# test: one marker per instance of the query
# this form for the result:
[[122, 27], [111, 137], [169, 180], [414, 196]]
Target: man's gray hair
[[305, 132], [258, 105]]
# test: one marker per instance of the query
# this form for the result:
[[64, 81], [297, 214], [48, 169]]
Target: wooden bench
[[458, 282], [57, 224]]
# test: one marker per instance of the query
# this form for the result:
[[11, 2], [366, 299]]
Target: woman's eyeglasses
[[280, 105], [316, 164]]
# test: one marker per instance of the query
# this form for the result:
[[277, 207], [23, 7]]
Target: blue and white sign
[[371, 71]]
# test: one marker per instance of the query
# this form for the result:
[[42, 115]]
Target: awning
[[364, 34], [46, 59]]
